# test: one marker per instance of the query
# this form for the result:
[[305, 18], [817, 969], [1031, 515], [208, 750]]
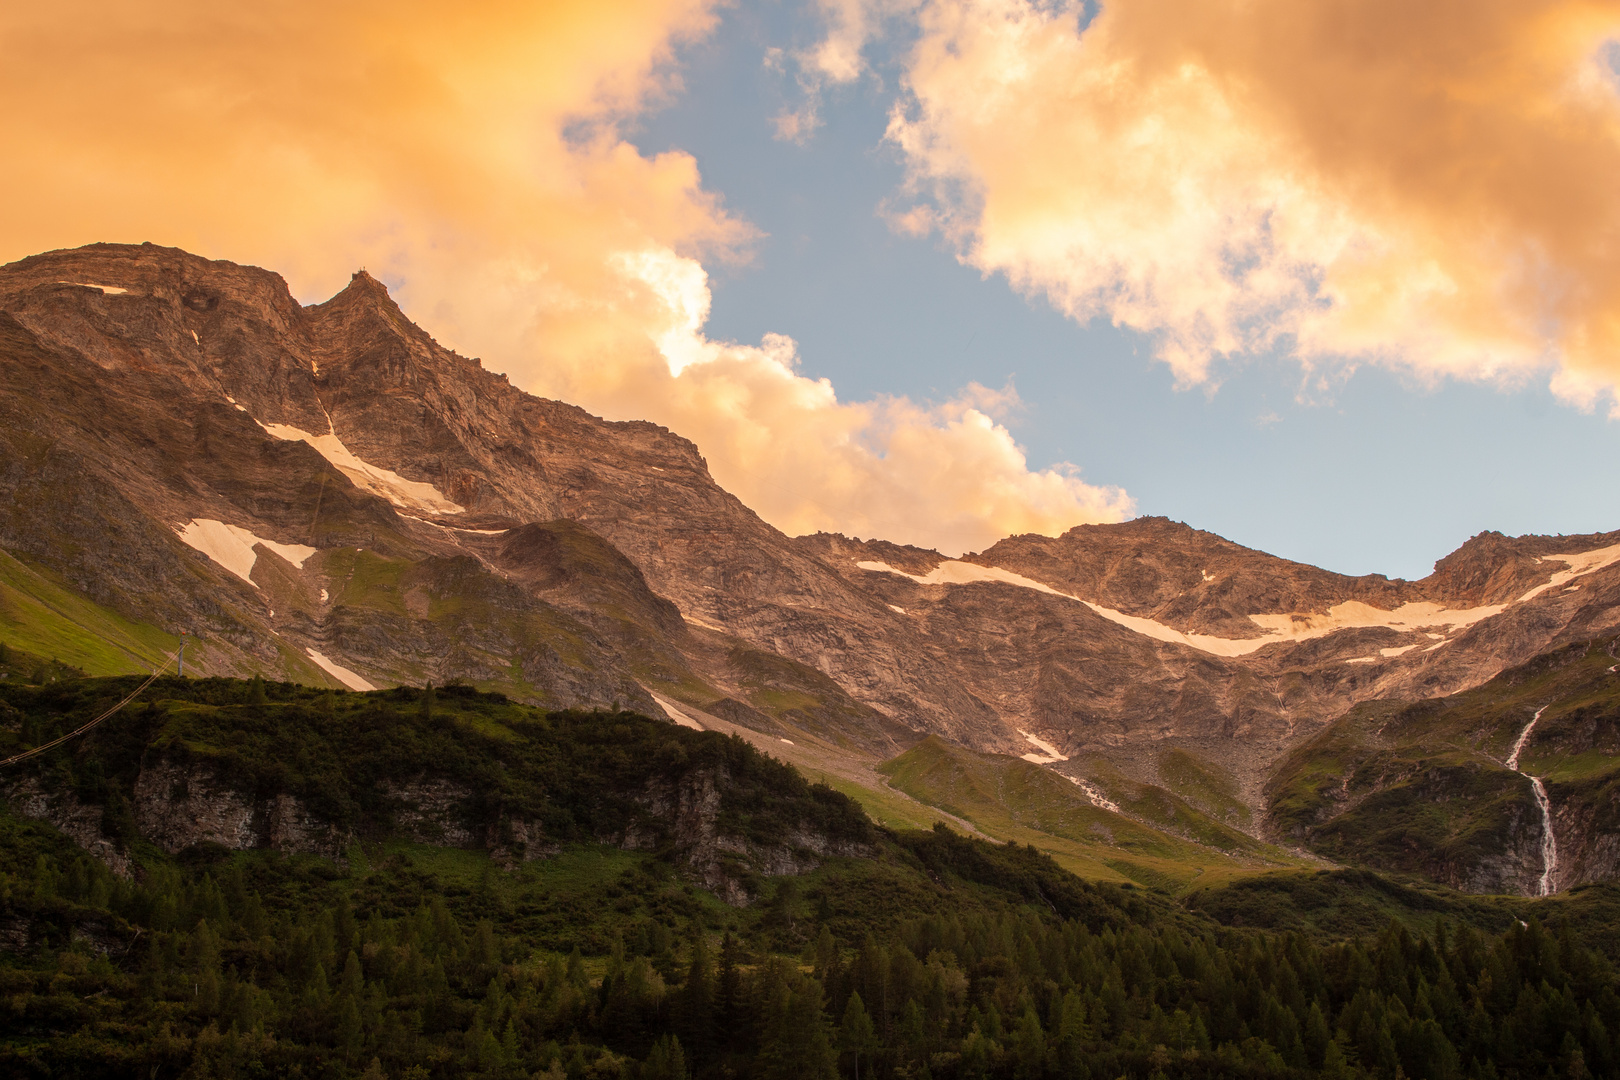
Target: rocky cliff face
[[326, 493], [179, 806]]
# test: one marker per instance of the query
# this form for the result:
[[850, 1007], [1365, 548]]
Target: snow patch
[[339, 672], [1399, 649], [788, 741], [1352, 614], [899, 610], [677, 716], [1586, 562], [1217, 646], [706, 625], [235, 548], [1048, 753], [390, 485], [954, 572], [323, 596], [110, 290], [195, 338]]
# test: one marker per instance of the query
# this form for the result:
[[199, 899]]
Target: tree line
[[213, 981]]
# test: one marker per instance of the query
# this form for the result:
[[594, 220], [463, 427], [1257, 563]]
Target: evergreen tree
[[695, 1005], [666, 1061], [729, 1006], [793, 1039], [1029, 1047], [856, 1034]]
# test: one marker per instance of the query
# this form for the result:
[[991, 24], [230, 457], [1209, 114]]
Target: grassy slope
[[1164, 809], [39, 615], [851, 773], [1205, 786], [1014, 800], [1424, 787]]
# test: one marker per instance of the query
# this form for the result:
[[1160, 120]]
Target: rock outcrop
[[725, 861]]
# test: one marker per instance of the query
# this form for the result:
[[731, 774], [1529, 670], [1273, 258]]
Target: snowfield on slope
[[339, 672], [410, 494], [235, 548], [1280, 628]]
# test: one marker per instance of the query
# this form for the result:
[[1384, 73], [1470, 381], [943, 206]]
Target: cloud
[[1422, 185], [837, 59], [947, 476], [471, 155]]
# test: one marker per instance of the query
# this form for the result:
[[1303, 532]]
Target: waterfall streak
[[1549, 844], [1524, 736]]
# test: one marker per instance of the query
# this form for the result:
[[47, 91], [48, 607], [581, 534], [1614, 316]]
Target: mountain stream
[[1549, 846]]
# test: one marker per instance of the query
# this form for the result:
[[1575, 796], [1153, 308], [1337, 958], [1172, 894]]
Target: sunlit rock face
[[325, 494]]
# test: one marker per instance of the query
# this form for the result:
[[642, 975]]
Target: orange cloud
[[472, 152], [945, 476], [1429, 185]]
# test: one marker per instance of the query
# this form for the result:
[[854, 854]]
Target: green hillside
[[1424, 788], [926, 955], [43, 618], [1014, 800]]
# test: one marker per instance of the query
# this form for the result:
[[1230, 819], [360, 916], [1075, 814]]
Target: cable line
[[72, 734]]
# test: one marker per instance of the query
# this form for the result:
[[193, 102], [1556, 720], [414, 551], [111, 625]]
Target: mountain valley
[[324, 495]]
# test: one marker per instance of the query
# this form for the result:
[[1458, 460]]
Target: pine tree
[[856, 1035], [695, 1005], [1317, 1035], [826, 956], [794, 1043], [1029, 1047], [1072, 1031], [666, 1061], [729, 1005]]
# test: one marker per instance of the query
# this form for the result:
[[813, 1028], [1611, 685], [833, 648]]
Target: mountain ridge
[[326, 494]]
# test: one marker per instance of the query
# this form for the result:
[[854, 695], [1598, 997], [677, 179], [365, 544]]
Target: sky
[[1339, 281]]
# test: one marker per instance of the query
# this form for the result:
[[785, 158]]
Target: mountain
[[444, 884], [324, 494]]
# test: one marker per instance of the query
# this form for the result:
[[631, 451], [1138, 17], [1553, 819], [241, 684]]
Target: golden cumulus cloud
[[1429, 185], [471, 153]]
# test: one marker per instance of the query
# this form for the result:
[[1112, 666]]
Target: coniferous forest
[[931, 955]]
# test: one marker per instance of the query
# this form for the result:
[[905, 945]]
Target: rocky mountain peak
[[326, 493]]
